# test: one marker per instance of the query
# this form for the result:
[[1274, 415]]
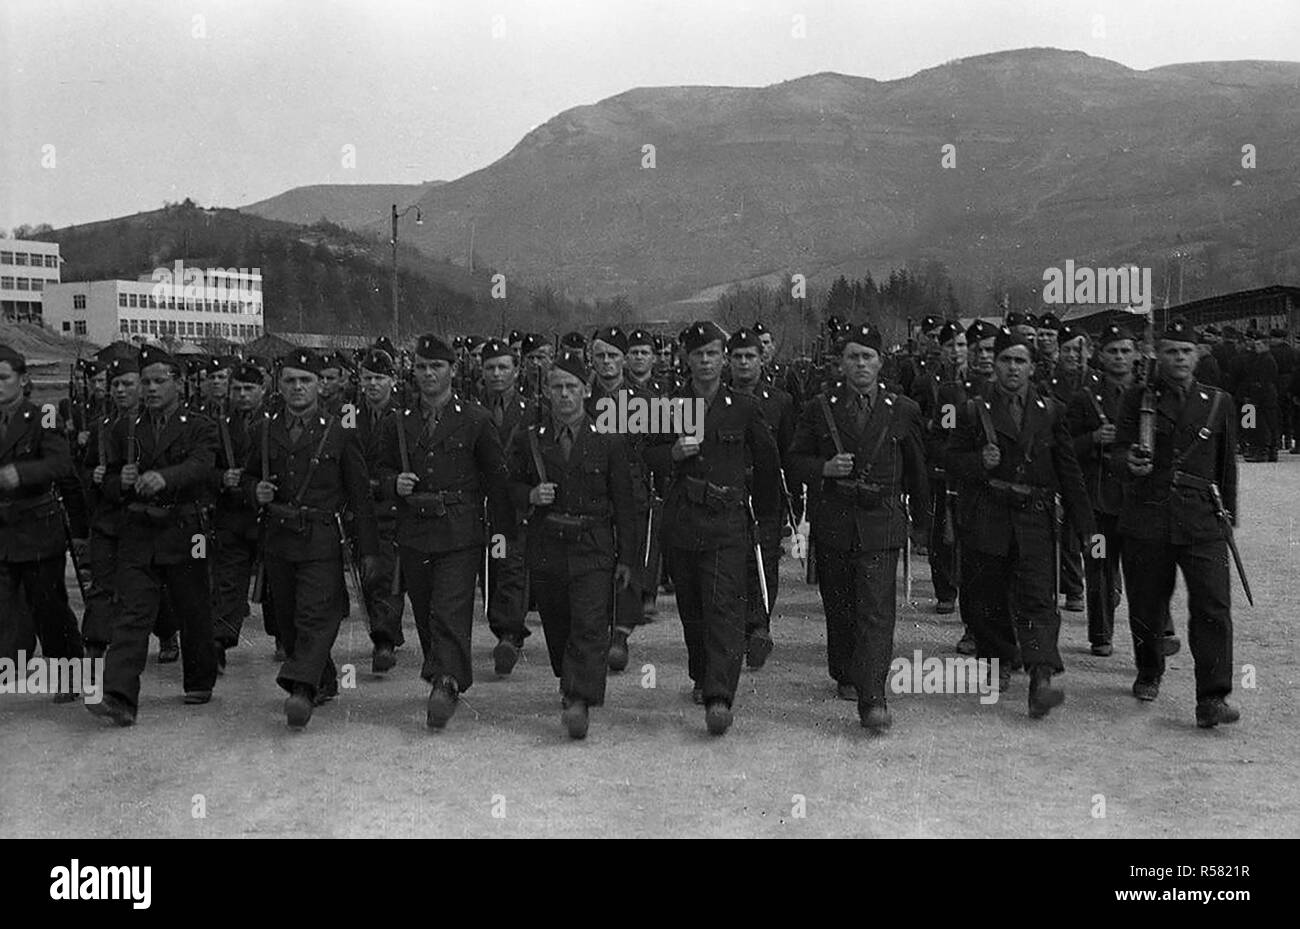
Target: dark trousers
[[1103, 577], [507, 593], [101, 601], [630, 603], [943, 555], [1262, 439], [1149, 574], [34, 606], [1071, 561], [441, 588], [1008, 600], [710, 590], [232, 573], [574, 606], [307, 596], [755, 619], [384, 609], [859, 591], [141, 587]]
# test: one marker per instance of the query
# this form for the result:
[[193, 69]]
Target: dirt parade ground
[[795, 764]]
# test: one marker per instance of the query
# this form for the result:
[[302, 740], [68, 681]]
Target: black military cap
[[1067, 333], [14, 357], [1202, 337], [224, 362], [497, 348], [1252, 333], [473, 341], [515, 336], [434, 348], [860, 335], [378, 361], [302, 359], [458, 343], [1048, 321], [758, 327], [980, 330], [834, 324], [385, 344], [742, 338], [611, 335], [531, 343], [123, 364], [1008, 338], [1212, 330], [931, 323], [259, 361], [115, 350], [575, 364], [949, 332], [1114, 333], [640, 337], [152, 355], [701, 333], [1178, 330], [1016, 319], [248, 373], [573, 340], [87, 366]]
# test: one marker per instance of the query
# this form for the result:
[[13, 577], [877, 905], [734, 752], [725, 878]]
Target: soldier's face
[[246, 397], [954, 350], [1027, 331], [160, 387], [567, 393], [1011, 367], [768, 346], [746, 366], [433, 375], [1073, 352], [1117, 358], [983, 359], [860, 365], [300, 389], [220, 384], [330, 381], [1047, 341], [99, 385], [499, 373], [706, 362], [126, 391], [205, 385], [639, 359], [1177, 359], [607, 360], [377, 387], [11, 384], [539, 359], [666, 358]]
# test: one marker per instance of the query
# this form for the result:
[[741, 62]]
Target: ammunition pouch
[[714, 496], [1020, 496], [567, 527], [14, 512], [295, 519], [433, 504], [867, 496]]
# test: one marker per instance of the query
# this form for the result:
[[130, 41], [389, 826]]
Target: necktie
[[159, 424], [295, 429], [499, 411], [863, 412], [1017, 410], [566, 441]]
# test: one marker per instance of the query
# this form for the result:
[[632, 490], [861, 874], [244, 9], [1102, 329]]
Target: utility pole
[[419, 221]]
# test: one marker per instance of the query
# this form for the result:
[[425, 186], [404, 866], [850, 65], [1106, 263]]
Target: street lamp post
[[419, 221]]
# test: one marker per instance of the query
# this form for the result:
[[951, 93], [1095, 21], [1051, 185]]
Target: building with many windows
[[223, 305], [27, 270]]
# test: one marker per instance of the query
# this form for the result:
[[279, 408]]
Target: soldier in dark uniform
[[1207, 367], [332, 384], [383, 607], [1284, 355], [441, 462], [1025, 326], [744, 352], [316, 469], [160, 471], [536, 352], [706, 517], [576, 483], [640, 361], [608, 390], [1179, 442], [1257, 386], [1012, 455], [507, 581], [863, 448], [34, 461], [1047, 347]]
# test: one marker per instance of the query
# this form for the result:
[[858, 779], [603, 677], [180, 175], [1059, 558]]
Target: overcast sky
[[111, 107]]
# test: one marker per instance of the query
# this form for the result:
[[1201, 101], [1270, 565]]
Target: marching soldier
[[1257, 387], [507, 580], [304, 469], [640, 362], [34, 460], [1179, 508], [1012, 455], [1048, 342], [576, 482], [332, 384], [441, 460], [159, 472], [707, 518], [384, 604], [1070, 375], [862, 448], [744, 350]]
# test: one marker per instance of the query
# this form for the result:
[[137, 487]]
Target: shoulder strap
[[266, 446], [315, 461], [1203, 434], [537, 454], [982, 409], [401, 440], [888, 400], [825, 403]]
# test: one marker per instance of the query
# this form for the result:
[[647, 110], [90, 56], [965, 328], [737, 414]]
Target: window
[[121, 299], [134, 325], [22, 284], [20, 258], [153, 327], [38, 283], [153, 302], [6, 258], [6, 283], [67, 326], [133, 301], [78, 301], [51, 261], [124, 326], [80, 327]]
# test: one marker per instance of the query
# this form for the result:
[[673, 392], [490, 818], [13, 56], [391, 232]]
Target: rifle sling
[[537, 455]]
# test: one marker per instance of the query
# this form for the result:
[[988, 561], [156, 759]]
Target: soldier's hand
[[839, 466], [83, 437], [686, 447], [1104, 435], [623, 576], [97, 476], [9, 477], [130, 474], [264, 492], [542, 495], [991, 455], [231, 478], [406, 482], [150, 483], [1139, 461]]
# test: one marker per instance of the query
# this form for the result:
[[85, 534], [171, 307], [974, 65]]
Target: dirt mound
[[41, 346]]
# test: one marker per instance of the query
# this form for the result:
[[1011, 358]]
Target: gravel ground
[[796, 763]]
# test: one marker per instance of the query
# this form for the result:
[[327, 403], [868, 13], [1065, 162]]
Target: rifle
[[67, 538], [259, 571], [350, 556], [395, 589], [758, 557]]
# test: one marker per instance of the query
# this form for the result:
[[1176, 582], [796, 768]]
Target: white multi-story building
[[27, 270], [213, 304]]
